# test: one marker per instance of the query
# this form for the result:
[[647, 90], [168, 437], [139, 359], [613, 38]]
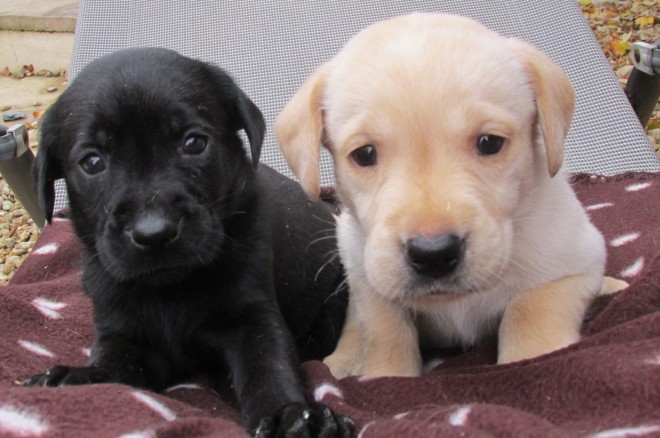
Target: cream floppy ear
[[299, 132], [555, 100]]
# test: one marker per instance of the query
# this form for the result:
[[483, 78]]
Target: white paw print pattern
[[460, 416], [36, 348], [634, 269], [154, 405], [325, 389], [646, 430], [624, 239], [18, 421], [636, 266], [654, 360], [638, 186], [364, 429], [140, 434], [599, 206], [49, 248], [48, 308]]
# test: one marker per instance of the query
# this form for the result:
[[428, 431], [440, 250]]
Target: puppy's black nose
[[435, 256], [152, 230]]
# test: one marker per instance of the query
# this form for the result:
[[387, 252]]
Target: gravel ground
[[18, 234], [616, 24]]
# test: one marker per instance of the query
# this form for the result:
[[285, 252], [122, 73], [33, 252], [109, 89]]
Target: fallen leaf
[[5, 72], [611, 12], [621, 48], [644, 21]]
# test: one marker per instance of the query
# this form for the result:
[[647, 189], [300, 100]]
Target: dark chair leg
[[643, 87]]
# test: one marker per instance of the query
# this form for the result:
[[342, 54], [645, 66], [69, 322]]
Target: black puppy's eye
[[489, 144], [194, 144], [365, 155], [92, 164]]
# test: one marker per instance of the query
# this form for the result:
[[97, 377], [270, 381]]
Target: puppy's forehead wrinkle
[[138, 102], [390, 78], [102, 137]]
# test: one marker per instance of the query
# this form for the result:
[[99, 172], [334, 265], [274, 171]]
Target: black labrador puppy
[[193, 259]]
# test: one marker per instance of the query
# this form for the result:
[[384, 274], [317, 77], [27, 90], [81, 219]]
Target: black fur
[[188, 250]]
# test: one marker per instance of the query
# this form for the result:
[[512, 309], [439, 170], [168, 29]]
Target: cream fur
[[422, 88]]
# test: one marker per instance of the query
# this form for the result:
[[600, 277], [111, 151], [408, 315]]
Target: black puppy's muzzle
[[158, 239], [153, 230]]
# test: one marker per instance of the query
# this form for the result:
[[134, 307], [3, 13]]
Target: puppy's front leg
[[262, 362], [545, 319], [262, 358], [391, 343], [348, 357]]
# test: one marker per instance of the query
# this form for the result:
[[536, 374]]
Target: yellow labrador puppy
[[447, 141]]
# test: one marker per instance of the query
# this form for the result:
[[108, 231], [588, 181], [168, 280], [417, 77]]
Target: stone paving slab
[[38, 32], [38, 15]]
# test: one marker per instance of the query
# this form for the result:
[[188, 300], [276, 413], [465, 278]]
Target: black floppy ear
[[47, 168], [245, 115], [252, 123]]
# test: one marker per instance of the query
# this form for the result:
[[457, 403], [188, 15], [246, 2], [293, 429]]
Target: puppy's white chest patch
[[464, 321]]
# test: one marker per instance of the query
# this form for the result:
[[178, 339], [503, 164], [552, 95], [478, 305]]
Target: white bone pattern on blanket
[[605, 385]]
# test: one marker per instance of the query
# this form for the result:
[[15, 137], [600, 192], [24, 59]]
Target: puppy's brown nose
[[154, 230], [436, 256]]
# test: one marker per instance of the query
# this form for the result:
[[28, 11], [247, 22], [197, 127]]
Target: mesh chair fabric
[[270, 48]]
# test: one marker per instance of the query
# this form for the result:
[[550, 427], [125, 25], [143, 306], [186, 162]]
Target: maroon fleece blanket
[[606, 385]]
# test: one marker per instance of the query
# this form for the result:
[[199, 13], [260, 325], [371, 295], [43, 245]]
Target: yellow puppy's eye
[[489, 144], [365, 156]]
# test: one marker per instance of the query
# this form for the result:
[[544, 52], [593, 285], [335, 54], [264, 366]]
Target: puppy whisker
[[336, 291], [335, 255], [325, 231], [216, 202], [325, 221], [320, 239]]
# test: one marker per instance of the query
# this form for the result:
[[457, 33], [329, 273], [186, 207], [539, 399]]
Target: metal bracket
[[646, 57], [16, 160], [14, 142]]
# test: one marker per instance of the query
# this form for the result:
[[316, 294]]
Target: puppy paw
[[611, 285], [65, 376], [342, 365], [305, 421]]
